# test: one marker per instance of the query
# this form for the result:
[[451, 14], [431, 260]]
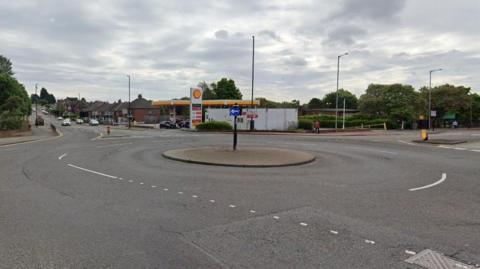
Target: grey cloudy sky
[[88, 47]]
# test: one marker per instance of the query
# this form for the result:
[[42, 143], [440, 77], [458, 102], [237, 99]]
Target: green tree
[[208, 93], [396, 101], [351, 100], [226, 89], [5, 66], [9, 87], [315, 103]]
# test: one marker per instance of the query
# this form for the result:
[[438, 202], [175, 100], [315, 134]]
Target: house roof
[[141, 102]]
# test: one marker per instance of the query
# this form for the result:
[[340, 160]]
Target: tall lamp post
[[430, 98], [36, 105], [128, 113], [252, 123], [336, 98]]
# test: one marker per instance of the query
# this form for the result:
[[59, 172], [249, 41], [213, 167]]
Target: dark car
[[167, 124], [39, 121]]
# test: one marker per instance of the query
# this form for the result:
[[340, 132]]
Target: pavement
[[37, 133], [242, 157], [89, 201]]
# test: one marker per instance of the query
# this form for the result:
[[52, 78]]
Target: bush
[[8, 121], [305, 124], [214, 126]]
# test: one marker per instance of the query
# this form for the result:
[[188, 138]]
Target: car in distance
[[93, 122], [39, 121], [79, 121], [60, 118], [66, 122]]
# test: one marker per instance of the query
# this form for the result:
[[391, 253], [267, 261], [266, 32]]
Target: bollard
[[108, 130]]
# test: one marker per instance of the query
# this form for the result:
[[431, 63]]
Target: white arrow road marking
[[91, 171], [61, 156], [444, 176]]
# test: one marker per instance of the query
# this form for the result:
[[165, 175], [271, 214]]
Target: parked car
[[184, 124], [93, 122], [66, 122], [167, 124], [39, 121], [79, 121], [60, 118]]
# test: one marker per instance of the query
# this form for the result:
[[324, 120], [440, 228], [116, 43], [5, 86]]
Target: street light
[[252, 123], [36, 105], [128, 113], [336, 98], [430, 98]]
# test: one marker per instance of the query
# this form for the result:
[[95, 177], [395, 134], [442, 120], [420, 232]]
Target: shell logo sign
[[195, 107]]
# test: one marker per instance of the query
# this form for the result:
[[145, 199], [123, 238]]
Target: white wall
[[268, 119]]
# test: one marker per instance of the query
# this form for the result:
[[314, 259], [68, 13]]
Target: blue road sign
[[235, 111]]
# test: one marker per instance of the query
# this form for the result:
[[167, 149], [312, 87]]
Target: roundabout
[[245, 157]]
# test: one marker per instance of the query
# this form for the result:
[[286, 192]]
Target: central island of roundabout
[[244, 157]]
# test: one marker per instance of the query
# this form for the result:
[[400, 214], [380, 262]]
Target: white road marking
[[180, 192], [194, 196], [409, 252], [369, 241], [141, 183], [113, 145], [333, 232], [61, 156], [232, 206], [445, 147], [460, 148], [153, 186], [276, 217], [303, 224], [165, 189], [405, 142], [475, 150], [212, 201], [130, 181], [91, 171], [444, 176], [252, 211], [121, 178]]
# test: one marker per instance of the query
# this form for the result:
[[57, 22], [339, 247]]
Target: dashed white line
[[232, 206], [212, 201], [194, 196], [180, 192], [303, 224], [252, 211], [61, 156], [409, 252], [444, 176], [165, 189], [153, 186], [333, 232], [120, 178], [130, 181], [141, 183], [369, 241], [475, 150], [405, 142], [276, 217], [460, 148], [91, 171]]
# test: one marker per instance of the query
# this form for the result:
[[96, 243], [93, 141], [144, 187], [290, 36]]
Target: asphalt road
[[84, 201]]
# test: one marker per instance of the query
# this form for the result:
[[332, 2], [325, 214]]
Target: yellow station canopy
[[244, 103]]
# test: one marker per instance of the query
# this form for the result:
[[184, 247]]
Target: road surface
[[86, 201]]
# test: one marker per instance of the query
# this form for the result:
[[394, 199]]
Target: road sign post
[[235, 111]]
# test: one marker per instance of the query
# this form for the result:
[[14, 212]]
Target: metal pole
[[430, 98], [336, 92], [128, 113], [343, 124], [336, 96], [235, 133], [430, 101], [36, 105], [252, 123]]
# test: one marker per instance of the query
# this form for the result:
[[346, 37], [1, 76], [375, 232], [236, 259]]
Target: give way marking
[[444, 176]]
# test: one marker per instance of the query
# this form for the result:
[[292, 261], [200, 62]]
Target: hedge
[[214, 126], [327, 121]]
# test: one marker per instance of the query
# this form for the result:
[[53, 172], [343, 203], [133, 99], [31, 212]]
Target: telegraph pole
[[252, 123]]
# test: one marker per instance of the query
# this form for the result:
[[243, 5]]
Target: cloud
[[88, 47]]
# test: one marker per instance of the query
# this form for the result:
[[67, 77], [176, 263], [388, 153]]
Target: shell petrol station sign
[[195, 106]]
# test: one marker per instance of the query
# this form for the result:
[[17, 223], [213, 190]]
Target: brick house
[[143, 111]]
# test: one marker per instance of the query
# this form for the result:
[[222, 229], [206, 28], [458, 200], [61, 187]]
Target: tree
[[208, 94], [315, 103], [5, 66], [272, 104], [226, 89], [46, 98], [351, 101], [396, 101], [449, 98], [9, 87]]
